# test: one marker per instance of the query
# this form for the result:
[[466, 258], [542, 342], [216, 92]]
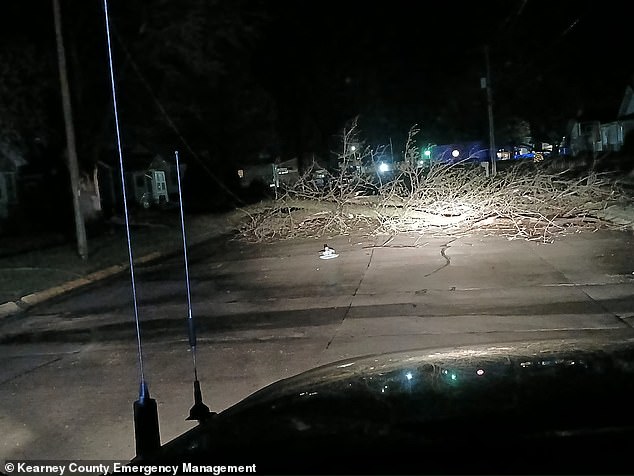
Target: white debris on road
[[327, 253]]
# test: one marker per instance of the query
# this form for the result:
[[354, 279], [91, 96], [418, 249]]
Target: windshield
[[229, 194]]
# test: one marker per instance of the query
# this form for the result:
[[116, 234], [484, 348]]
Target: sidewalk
[[37, 271]]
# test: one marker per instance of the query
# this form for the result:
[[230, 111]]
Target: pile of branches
[[526, 201]]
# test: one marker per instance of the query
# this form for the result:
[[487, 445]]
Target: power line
[[545, 50], [168, 119]]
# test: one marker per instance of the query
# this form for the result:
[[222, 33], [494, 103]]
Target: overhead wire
[[168, 119], [527, 65], [513, 16]]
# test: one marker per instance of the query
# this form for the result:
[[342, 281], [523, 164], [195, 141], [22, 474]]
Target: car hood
[[516, 398]]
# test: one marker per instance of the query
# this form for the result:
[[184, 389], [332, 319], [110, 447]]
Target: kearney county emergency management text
[[62, 468]]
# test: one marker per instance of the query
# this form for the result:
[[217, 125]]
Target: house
[[626, 115], [613, 135], [150, 179], [596, 137]]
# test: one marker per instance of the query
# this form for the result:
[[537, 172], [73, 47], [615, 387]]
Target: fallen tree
[[526, 201]]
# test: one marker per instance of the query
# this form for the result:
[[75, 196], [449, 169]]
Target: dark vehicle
[[544, 407]]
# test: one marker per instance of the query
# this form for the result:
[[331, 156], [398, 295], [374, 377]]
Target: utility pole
[[487, 83], [80, 227]]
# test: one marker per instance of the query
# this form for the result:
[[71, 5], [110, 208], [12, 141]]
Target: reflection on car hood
[[485, 403]]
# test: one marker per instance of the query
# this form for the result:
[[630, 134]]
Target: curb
[[225, 225], [29, 300], [15, 307]]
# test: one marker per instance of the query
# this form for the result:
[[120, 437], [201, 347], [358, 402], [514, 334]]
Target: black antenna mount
[[199, 411], [146, 425]]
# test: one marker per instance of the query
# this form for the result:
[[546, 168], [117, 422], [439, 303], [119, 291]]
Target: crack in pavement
[[345, 315], [30, 370], [443, 249]]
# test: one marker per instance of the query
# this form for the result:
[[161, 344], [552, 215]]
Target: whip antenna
[[146, 427], [199, 411]]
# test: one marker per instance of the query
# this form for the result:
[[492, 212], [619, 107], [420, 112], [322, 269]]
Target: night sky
[[288, 74], [403, 62]]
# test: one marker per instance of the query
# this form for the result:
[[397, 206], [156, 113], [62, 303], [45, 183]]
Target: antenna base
[[146, 424], [199, 411]]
